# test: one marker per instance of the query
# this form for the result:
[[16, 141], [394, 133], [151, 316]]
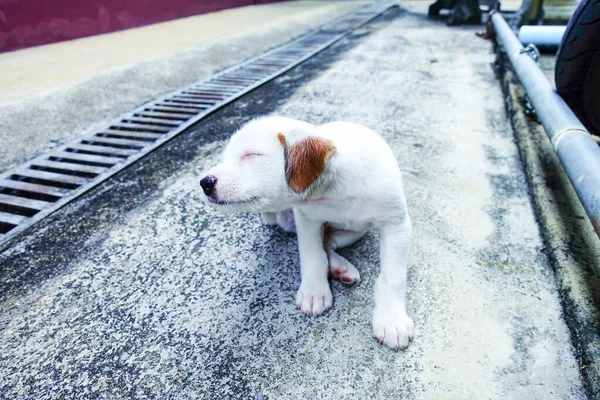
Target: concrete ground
[[572, 244], [140, 291]]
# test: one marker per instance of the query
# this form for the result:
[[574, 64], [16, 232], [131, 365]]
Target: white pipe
[[542, 35]]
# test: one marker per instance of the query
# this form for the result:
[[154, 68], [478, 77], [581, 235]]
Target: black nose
[[208, 184]]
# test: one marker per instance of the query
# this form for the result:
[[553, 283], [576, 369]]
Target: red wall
[[25, 23]]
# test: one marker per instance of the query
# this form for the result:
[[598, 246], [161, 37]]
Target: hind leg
[[339, 267], [284, 219]]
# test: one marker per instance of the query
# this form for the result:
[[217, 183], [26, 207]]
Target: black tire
[[435, 8], [577, 68]]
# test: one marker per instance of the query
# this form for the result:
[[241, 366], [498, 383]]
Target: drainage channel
[[35, 189]]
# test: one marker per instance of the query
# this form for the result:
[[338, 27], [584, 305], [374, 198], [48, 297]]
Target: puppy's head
[[267, 166]]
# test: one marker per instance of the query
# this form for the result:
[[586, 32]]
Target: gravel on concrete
[[140, 291]]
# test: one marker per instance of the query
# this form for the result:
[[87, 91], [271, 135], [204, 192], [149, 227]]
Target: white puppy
[[329, 183]]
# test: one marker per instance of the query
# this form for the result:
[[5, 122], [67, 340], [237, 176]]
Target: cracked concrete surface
[[140, 291]]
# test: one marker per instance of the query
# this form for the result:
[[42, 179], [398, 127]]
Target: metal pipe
[[547, 36], [577, 151]]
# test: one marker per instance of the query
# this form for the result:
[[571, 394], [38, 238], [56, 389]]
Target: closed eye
[[250, 154]]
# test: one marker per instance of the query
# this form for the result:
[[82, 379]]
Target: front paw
[[393, 327], [314, 298]]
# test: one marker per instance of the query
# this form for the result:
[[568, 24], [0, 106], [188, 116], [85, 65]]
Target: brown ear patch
[[281, 138], [305, 161]]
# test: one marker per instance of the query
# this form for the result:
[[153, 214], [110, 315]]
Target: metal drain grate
[[35, 189]]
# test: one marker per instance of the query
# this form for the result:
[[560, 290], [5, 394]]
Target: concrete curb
[[571, 244]]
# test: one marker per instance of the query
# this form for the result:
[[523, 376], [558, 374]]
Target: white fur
[[360, 189]]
